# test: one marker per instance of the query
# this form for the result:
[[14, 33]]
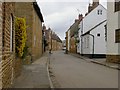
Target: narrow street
[[73, 72]]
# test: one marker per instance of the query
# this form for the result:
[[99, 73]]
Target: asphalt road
[[73, 72]]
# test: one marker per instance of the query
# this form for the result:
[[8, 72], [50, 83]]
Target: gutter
[[37, 9]]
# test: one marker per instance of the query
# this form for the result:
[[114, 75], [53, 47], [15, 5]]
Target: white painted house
[[92, 33], [113, 31]]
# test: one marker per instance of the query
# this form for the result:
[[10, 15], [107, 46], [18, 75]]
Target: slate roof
[[37, 9]]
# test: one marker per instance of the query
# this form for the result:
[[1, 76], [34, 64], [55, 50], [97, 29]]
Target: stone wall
[[113, 58], [24, 10], [67, 40], [36, 37], [59, 46], [34, 30], [73, 48], [54, 44]]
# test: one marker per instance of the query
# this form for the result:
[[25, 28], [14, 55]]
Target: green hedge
[[20, 36]]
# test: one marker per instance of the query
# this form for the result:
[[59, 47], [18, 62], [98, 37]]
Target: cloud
[[60, 15]]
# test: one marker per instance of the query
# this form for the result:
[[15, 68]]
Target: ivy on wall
[[20, 36]]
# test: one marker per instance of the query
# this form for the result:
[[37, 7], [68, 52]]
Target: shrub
[[20, 36]]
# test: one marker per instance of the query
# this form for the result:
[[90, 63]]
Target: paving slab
[[34, 75], [100, 61]]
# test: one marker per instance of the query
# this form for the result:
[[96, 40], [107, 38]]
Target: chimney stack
[[90, 7], [76, 20], [95, 3], [80, 17]]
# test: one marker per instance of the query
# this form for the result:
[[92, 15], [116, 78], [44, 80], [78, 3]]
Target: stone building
[[47, 36], [71, 35], [53, 41], [56, 42], [7, 44], [31, 12]]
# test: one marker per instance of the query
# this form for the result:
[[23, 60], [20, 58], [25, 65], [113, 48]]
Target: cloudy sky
[[59, 15]]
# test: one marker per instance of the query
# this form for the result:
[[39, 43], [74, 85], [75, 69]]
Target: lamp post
[[51, 40]]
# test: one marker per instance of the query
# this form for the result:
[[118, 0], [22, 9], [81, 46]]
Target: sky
[[59, 15]]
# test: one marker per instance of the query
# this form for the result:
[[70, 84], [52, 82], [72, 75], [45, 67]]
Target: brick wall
[[0, 42], [7, 62]]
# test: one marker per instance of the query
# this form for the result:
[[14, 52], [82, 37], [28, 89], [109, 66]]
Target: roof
[[95, 8], [37, 9], [55, 37], [94, 27], [74, 28], [46, 34]]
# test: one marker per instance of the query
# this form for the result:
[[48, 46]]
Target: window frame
[[99, 12], [117, 5], [117, 36], [11, 33]]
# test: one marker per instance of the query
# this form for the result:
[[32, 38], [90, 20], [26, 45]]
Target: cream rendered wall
[[89, 22], [99, 42], [92, 19], [112, 24], [119, 27]]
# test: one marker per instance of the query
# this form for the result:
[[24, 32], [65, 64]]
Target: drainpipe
[[81, 46], [82, 39], [93, 44]]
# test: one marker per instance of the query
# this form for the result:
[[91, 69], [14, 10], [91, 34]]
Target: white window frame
[[11, 33], [99, 12]]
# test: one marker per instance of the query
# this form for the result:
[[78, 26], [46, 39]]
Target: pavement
[[100, 61], [34, 75]]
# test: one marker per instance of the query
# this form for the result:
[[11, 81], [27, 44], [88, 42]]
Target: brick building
[[7, 44], [34, 19]]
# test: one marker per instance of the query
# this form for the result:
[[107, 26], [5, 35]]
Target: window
[[98, 34], [11, 33], [99, 12], [117, 5], [117, 36]]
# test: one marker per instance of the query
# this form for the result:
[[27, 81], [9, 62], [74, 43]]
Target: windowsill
[[117, 11]]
